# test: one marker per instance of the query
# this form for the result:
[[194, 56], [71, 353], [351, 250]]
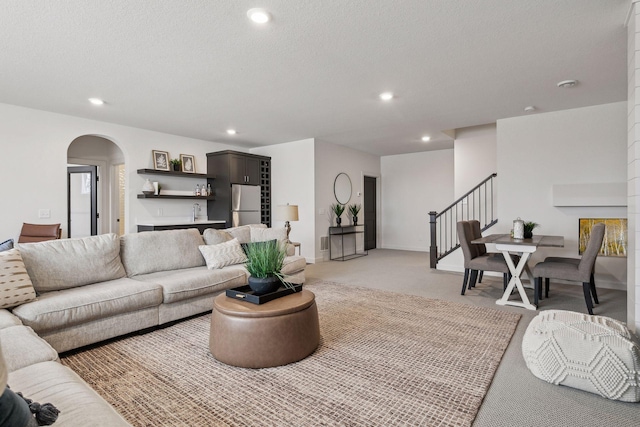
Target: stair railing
[[478, 203]]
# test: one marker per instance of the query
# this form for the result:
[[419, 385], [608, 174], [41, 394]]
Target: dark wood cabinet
[[234, 167], [244, 169]]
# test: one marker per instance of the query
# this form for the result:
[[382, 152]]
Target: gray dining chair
[[481, 249], [581, 271], [473, 261]]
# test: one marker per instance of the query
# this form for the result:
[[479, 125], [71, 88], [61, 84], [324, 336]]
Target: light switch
[[322, 212], [44, 213]]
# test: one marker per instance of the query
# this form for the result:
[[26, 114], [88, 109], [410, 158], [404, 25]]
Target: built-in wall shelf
[[603, 194], [175, 173]]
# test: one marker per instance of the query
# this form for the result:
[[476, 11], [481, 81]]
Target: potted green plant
[[176, 164], [354, 210], [528, 228], [338, 209], [264, 263]]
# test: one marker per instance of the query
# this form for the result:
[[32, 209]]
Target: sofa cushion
[[7, 319], [212, 236], [69, 307], [223, 254], [22, 347], [15, 285], [62, 264], [242, 233], [265, 234], [591, 353], [178, 285], [152, 251], [79, 404], [293, 264]]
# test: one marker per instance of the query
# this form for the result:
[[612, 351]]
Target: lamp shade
[[287, 212]]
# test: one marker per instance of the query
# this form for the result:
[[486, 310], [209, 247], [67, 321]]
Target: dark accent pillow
[[246, 245], [6, 245]]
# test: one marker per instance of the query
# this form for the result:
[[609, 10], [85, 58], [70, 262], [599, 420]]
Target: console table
[[350, 231]]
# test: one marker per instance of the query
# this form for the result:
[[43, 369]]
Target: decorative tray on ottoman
[[245, 293]]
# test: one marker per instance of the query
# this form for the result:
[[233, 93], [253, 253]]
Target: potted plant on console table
[[338, 209], [264, 263]]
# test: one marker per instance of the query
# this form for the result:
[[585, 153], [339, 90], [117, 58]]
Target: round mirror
[[342, 188]]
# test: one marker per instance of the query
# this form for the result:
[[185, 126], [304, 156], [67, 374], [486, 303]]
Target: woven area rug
[[385, 359]]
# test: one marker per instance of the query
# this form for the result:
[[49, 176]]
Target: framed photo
[[160, 160], [188, 163]]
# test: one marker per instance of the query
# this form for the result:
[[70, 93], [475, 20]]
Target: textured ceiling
[[198, 67]]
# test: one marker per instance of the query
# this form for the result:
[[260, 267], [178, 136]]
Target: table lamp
[[287, 213]]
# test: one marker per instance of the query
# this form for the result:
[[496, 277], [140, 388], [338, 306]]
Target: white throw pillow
[[223, 254], [266, 234], [15, 285]]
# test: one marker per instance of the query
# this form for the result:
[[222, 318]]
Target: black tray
[[246, 294]]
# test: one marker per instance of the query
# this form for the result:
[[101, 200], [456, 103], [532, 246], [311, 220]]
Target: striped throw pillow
[[223, 254], [15, 285]]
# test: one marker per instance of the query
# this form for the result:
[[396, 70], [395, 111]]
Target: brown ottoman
[[278, 332]]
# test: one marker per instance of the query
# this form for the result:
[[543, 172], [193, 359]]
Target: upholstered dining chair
[[476, 232], [473, 261], [39, 232], [581, 271]]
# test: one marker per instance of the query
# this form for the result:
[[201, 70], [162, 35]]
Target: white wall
[[475, 157], [578, 146], [413, 185], [330, 160], [292, 181], [35, 178]]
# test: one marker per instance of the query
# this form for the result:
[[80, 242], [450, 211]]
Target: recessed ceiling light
[[426, 138], [96, 101], [231, 131], [567, 83], [386, 96], [258, 15], [529, 109]]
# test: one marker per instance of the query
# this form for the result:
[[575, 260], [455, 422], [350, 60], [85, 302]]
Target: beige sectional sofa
[[101, 287]]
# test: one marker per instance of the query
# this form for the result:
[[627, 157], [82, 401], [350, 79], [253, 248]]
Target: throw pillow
[[265, 234], [15, 285], [223, 254], [6, 245], [212, 236]]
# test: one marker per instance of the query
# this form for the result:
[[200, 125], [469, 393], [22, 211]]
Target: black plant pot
[[176, 168], [338, 221], [261, 286], [528, 234], [355, 220]]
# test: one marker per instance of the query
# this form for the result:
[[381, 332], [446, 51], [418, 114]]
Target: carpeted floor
[[384, 359]]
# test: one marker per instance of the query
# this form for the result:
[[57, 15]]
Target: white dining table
[[507, 245]]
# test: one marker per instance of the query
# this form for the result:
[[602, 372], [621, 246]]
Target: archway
[[108, 161]]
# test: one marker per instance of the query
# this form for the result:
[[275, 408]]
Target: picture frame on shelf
[[160, 160], [188, 163]]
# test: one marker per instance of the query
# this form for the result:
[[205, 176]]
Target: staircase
[[478, 203]]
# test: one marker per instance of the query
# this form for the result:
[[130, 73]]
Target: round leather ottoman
[[278, 332]]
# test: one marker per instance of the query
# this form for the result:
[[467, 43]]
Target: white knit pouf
[[591, 353]]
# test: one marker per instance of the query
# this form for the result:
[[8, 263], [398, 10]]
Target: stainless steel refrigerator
[[245, 204]]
